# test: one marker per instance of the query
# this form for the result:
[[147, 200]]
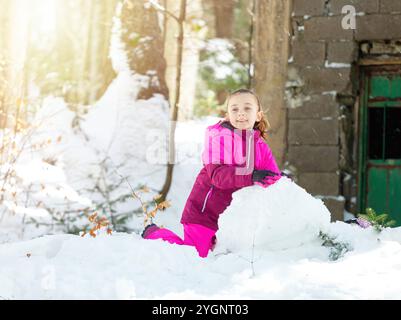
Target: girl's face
[[243, 111]]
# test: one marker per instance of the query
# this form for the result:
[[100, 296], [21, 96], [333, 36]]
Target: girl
[[235, 156]]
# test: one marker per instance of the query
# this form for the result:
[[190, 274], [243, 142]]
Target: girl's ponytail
[[263, 126]]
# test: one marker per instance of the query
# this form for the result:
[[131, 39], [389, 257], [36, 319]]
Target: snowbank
[[281, 216], [124, 266]]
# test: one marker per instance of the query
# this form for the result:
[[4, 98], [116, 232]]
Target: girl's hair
[[263, 125]]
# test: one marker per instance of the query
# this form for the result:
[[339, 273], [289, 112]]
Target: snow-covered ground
[[124, 266]]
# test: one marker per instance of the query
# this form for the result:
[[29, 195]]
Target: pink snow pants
[[202, 238]]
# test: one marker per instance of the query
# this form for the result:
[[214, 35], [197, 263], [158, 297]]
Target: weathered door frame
[[366, 67]]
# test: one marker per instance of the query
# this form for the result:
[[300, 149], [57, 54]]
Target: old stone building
[[343, 99]]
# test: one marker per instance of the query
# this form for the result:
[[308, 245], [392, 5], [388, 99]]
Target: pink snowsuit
[[229, 158]]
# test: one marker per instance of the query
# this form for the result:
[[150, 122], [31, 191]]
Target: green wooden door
[[380, 137]]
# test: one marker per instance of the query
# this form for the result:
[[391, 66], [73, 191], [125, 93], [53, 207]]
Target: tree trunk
[[270, 57], [81, 54], [224, 18], [142, 37], [171, 46], [99, 69], [174, 117], [4, 30], [105, 70], [14, 55], [224, 25], [190, 57]]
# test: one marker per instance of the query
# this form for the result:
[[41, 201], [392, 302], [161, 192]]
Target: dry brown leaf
[[163, 205], [92, 217], [158, 196], [153, 213]]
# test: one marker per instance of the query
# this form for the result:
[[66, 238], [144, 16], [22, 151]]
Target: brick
[[326, 28], [378, 27], [336, 208], [319, 106], [308, 53], [308, 7], [314, 158], [387, 6], [342, 52], [313, 132], [367, 6], [325, 184], [319, 80]]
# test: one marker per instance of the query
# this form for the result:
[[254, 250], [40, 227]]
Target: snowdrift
[[281, 216]]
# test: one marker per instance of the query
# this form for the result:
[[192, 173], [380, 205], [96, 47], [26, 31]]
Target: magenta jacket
[[229, 157]]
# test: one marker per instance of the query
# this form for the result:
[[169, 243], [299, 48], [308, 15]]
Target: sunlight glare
[[43, 15]]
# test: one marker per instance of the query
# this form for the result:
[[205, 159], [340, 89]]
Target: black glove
[[286, 175], [259, 175]]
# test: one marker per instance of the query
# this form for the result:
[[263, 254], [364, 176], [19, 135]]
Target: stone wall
[[321, 92]]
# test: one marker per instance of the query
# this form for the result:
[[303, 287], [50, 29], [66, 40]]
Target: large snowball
[[281, 216]]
